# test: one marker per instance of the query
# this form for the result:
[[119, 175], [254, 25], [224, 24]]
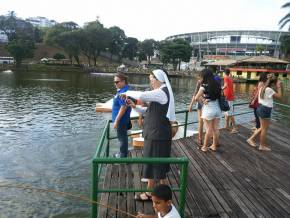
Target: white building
[[41, 21], [3, 37]]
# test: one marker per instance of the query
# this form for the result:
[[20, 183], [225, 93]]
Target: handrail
[[102, 157]]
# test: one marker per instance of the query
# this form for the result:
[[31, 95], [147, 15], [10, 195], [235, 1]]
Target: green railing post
[[108, 142], [95, 181], [183, 185], [185, 124]]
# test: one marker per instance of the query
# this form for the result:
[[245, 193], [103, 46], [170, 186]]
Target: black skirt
[[156, 148]]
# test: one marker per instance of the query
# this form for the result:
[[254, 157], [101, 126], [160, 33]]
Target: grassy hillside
[[43, 50]]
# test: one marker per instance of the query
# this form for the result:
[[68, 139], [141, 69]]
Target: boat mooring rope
[[66, 194]]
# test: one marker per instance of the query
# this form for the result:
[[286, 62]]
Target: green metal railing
[[101, 158]]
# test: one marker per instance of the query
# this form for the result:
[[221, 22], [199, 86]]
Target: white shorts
[[231, 111], [211, 110]]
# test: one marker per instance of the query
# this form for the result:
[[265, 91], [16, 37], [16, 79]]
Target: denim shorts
[[199, 106], [264, 112]]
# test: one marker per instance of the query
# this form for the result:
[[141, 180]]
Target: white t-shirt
[[267, 99], [173, 213]]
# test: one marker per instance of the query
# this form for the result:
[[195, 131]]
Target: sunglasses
[[116, 82]]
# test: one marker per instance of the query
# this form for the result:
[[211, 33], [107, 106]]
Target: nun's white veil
[[162, 77]]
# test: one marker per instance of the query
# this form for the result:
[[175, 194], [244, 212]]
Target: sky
[[157, 19]]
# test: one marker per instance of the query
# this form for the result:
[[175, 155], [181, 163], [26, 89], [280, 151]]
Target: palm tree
[[286, 19]]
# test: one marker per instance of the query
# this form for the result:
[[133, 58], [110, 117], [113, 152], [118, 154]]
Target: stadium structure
[[233, 43]]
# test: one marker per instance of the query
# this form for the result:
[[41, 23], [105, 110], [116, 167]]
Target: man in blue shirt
[[121, 114]]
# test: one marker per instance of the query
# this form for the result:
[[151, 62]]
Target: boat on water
[[7, 71], [107, 106]]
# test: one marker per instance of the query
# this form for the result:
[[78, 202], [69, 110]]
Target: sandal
[[204, 149], [143, 197], [213, 148], [264, 148], [250, 142]]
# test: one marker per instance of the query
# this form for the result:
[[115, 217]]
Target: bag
[[129, 125], [224, 105], [255, 103], [174, 128]]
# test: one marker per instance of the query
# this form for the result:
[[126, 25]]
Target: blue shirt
[[117, 104], [218, 79]]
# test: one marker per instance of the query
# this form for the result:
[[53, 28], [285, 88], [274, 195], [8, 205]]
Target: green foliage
[[286, 19], [147, 47], [117, 43], [20, 49], [175, 51], [285, 45], [21, 37], [130, 48], [58, 56]]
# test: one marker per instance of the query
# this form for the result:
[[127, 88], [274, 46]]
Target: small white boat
[[107, 106], [7, 71]]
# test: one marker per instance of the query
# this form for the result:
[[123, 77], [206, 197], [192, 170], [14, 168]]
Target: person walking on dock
[[121, 114], [254, 99], [265, 99], [228, 89]]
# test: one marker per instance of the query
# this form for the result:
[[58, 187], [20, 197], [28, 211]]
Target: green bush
[[58, 56]]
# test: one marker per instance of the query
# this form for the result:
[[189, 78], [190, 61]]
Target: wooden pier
[[236, 181]]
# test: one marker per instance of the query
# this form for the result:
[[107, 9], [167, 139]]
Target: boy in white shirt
[[162, 203]]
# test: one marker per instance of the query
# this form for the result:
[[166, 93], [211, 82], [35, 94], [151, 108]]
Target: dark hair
[[122, 76], [214, 89], [227, 71], [269, 82], [162, 192], [263, 77]]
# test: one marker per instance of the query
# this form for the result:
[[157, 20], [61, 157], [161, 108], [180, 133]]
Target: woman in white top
[[264, 110], [209, 93]]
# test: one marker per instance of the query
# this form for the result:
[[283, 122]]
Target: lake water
[[49, 132]]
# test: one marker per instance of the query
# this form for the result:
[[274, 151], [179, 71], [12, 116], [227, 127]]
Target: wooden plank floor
[[235, 181]]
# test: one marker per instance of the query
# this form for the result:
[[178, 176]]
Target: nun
[[158, 115]]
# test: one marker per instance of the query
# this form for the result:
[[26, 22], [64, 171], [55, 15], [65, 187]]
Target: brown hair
[[122, 76]]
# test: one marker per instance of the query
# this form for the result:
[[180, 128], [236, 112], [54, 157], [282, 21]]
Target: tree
[[285, 45], [116, 45], [98, 37], [67, 36], [260, 49], [20, 35], [175, 51], [148, 46], [59, 56], [20, 49], [130, 48], [286, 19]]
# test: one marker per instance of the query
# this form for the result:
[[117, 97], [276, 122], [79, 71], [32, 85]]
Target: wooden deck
[[235, 181]]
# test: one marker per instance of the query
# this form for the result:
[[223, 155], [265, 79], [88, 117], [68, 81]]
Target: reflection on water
[[48, 135]]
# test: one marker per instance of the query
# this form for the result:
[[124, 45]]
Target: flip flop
[[138, 197], [251, 143], [213, 148], [264, 148], [203, 148]]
